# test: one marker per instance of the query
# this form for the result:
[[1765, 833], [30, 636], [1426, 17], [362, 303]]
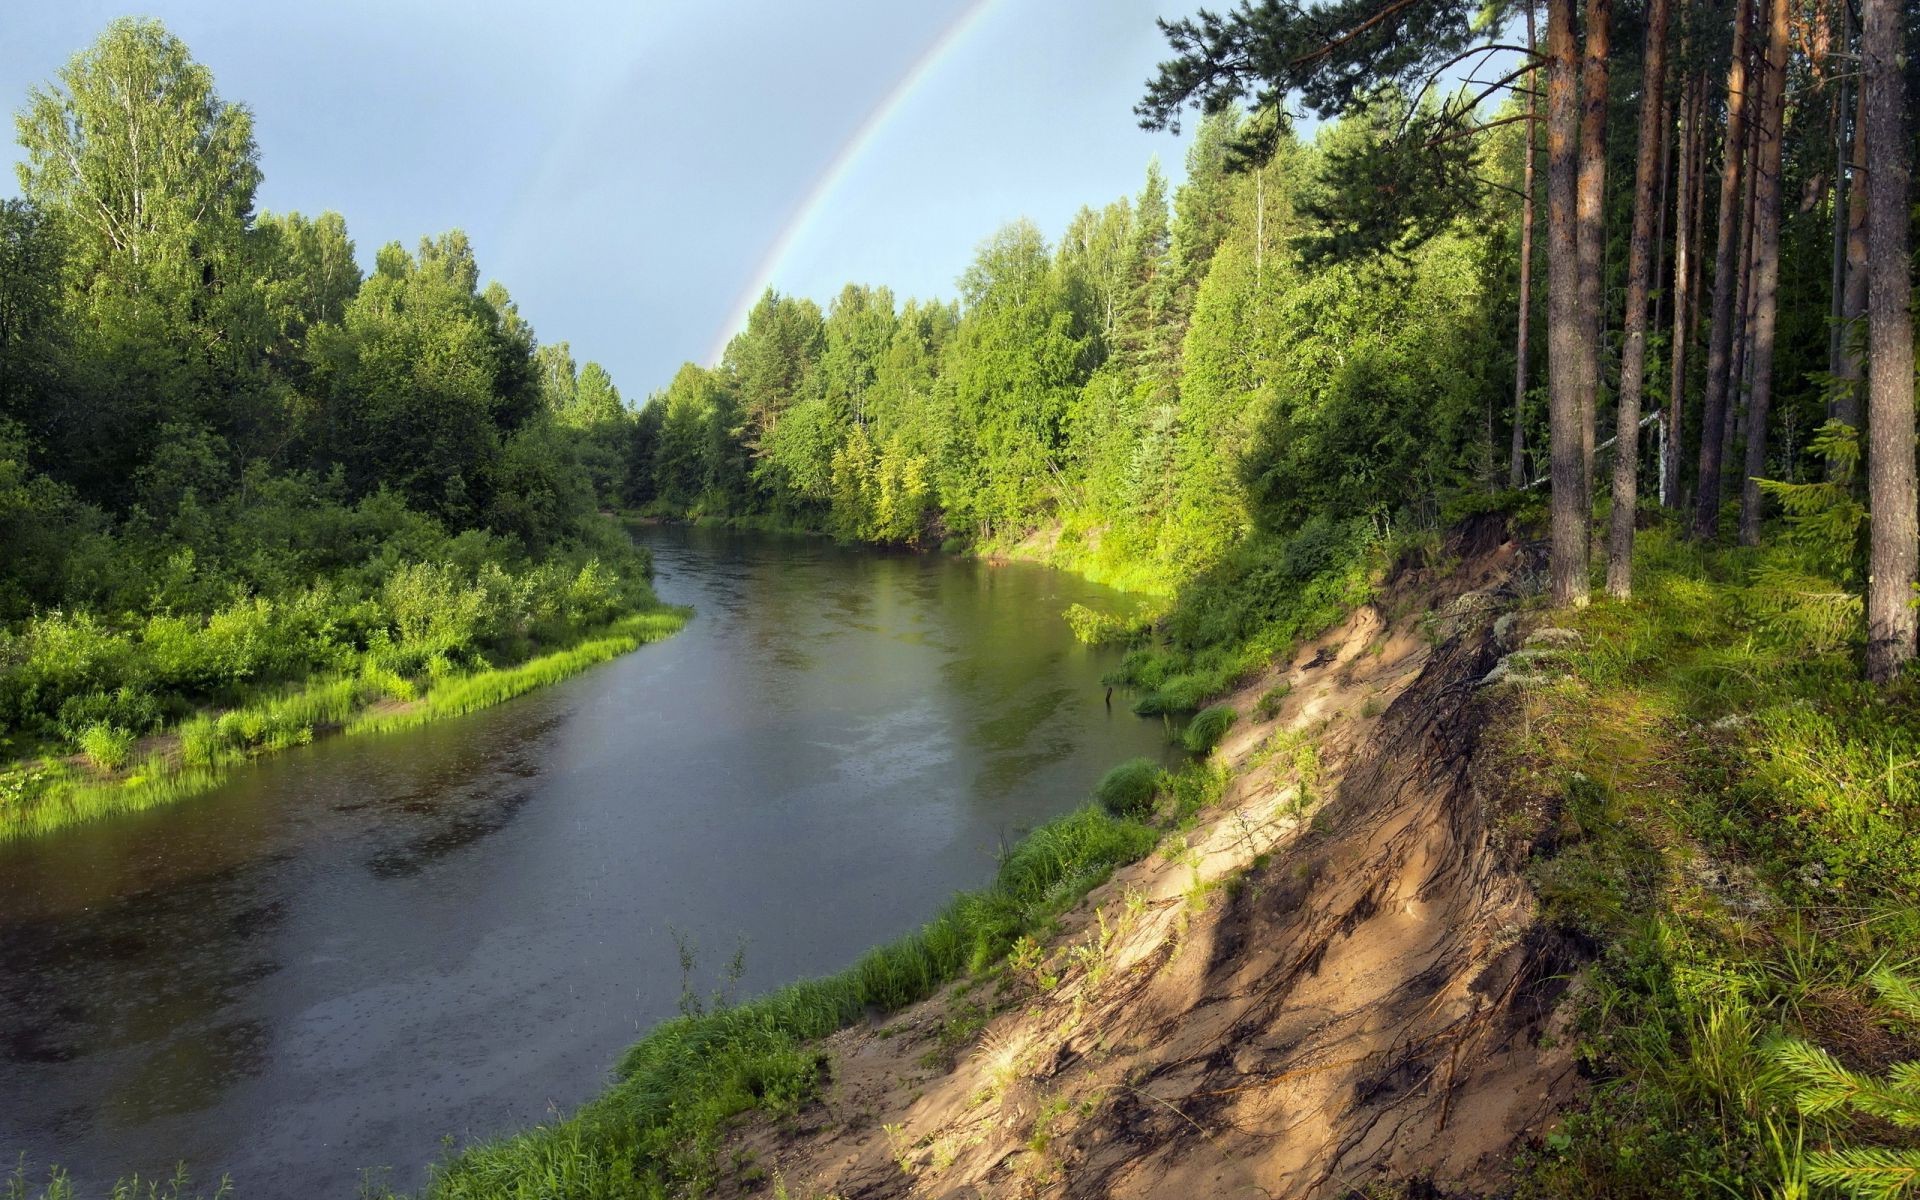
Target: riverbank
[[1065, 545], [671, 1120], [42, 795]]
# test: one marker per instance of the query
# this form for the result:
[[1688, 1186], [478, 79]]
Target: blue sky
[[625, 168]]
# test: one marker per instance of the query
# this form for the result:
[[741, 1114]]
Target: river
[[356, 950]]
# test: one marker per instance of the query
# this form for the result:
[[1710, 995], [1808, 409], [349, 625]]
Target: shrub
[[1206, 729], [127, 708], [1128, 790]]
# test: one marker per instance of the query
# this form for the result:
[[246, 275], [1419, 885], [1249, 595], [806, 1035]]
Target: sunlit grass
[[1732, 818]]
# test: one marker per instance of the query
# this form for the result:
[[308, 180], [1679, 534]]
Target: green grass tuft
[[1129, 789], [1206, 729]]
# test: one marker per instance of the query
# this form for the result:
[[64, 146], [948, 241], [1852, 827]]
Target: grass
[[1129, 789], [60, 1187], [43, 796], [1252, 608], [657, 1130], [1731, 820], [1206, 729]]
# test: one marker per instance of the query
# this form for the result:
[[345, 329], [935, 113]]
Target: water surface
[[357, 949]]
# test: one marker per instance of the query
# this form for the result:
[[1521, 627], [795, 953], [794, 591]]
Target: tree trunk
[[1853, 301], [1696, 288], [1633, 354], [1590, 221], [1742, 331], [1766, 266], [1658, 268], [1685, 220], [1842, 157], [1894, 547], [1726, 265], [1516, 460], [1572, 504]]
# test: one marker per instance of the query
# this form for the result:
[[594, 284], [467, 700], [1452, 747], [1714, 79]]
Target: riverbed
[[355, 951]]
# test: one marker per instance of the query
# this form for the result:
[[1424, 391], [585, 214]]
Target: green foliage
[[1136, 401], [1736, 832], [1207, 727], [1128, 790], [106, 746], [1824, 1089], [1267, 594]]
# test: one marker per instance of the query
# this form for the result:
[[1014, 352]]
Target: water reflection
[[366, 944]]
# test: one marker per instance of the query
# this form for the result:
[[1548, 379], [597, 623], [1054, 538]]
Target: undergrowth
[[1731, 819], [1266, 595]]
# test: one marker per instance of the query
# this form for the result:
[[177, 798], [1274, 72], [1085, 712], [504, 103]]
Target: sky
[[636, 172]]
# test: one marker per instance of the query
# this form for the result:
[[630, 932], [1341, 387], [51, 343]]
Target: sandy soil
[[1333, 982]]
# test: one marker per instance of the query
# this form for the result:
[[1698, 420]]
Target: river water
[[359, 949]]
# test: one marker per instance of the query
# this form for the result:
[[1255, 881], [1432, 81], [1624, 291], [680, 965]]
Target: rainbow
[[835, 172]]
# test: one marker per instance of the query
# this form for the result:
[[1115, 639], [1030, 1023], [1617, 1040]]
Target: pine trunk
[[1684, 219], [1591, 227], [1571, 504], [1633, 354], [1766, 266], [1742, 303], [1894, 544], [1853, 300], [1517, 453], [1726, 269]]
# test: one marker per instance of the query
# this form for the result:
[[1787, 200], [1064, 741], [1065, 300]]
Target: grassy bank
[[39, 796], [1731, 819], [657, 1131]]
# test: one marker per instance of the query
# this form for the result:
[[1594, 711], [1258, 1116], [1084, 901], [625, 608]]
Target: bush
[[1208, 726], [107, 747], [1128, 790], [126, 708]]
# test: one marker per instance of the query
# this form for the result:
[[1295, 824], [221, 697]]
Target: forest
[[246, 492], [1635, 275]]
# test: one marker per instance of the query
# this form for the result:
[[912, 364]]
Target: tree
[[1894, 538], [1516, 457], [31, 259], [1633, 357], [1770, 133], [1571, 508], [1706, 518], [152, 172], [1590, 236]]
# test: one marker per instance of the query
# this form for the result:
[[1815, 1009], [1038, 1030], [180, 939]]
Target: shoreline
[[42, 796]]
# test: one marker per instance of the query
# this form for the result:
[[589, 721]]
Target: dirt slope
[[1333, 982]]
